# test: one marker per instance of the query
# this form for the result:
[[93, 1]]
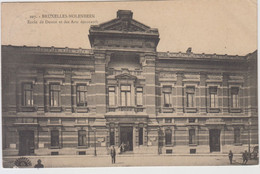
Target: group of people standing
[[245, 156]]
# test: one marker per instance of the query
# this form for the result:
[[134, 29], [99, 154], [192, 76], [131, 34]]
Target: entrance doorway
[[26, 142], [126, 138], [214, 140]]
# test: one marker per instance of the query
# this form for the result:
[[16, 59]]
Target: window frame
[[113, 97], [82, 138], [168, 134], [79, 93], [237, 136], [55, 137], [24, 96], [52, 95], [167, 95], [213, 92], [192, 136], [139, 92], [127, 96], [192, 94], [234, 91]]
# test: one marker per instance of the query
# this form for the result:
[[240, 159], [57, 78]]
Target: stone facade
[[64, 101]]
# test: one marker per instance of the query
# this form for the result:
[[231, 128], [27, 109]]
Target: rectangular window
[[27, 94], [168, 120], [236, 135], [167, 91], [190, 91], [213, 97], [125, 95], [81, 95], [112, 138], [234, 97], [82, 138], [55, 138], [192, 136], [139, 96], [111, 96], [55, 95], [140, 136], [168, 137]]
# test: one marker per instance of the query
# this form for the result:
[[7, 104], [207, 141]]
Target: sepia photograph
[[127, 84]]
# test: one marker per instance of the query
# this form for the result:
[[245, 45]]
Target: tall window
[[111, 96], [192, 136], [168, 136], [139, 96], [236, 135], [190, 91], [112, 137], [55, 138], [81, 95], [125, 95], [27, 94], [167, 90], [55, 95], [141, 136], [213, 97], [82, 138], [234, 97]]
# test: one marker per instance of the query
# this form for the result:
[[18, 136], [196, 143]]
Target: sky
[[222, 27]]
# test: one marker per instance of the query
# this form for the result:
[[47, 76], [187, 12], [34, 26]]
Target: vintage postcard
[[141, 83]]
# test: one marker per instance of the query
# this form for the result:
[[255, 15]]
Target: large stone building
[[58, 101]]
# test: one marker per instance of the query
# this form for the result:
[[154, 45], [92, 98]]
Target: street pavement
[[131, 160]]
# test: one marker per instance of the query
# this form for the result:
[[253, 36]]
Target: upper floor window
[[213, 97], [234, 97], [139, 96], [55, 95], [81, 95], [167, 91], [236, 135], [190, 92], [81, 138], [27, 94], [111, 96], [192, 136], [125, 95]]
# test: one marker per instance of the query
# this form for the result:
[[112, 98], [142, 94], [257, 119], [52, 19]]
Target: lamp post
[[248, 131], [159, 145], [95, 145]]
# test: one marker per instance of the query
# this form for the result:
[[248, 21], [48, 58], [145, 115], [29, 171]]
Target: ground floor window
[[236, 135], [112, 138], [140, 136], [55, 138], [81, 138], [192, 136], [168, 137]]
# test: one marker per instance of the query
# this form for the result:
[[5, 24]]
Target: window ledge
[[168, 145], [81, 109], [27, 108], [191, 110], [82, 147], [55, 147], [167, 110], [214, 110], [235, 110], [238, 144], [193, 145], [55, 108]]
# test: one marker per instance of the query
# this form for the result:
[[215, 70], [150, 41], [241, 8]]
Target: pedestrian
[[245, 157], [113, 154], [230, 156], [39, 164]]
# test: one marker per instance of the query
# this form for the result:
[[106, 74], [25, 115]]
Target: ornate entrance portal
[[126, 137]]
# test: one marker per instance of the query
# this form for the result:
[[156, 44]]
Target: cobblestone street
[[131, 160]]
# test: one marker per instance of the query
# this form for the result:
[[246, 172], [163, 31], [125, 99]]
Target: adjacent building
[[122, 91]]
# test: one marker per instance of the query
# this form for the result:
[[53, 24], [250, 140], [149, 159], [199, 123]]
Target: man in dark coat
[[113, 154], [245, 157], [39, 164], [230, 156]]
